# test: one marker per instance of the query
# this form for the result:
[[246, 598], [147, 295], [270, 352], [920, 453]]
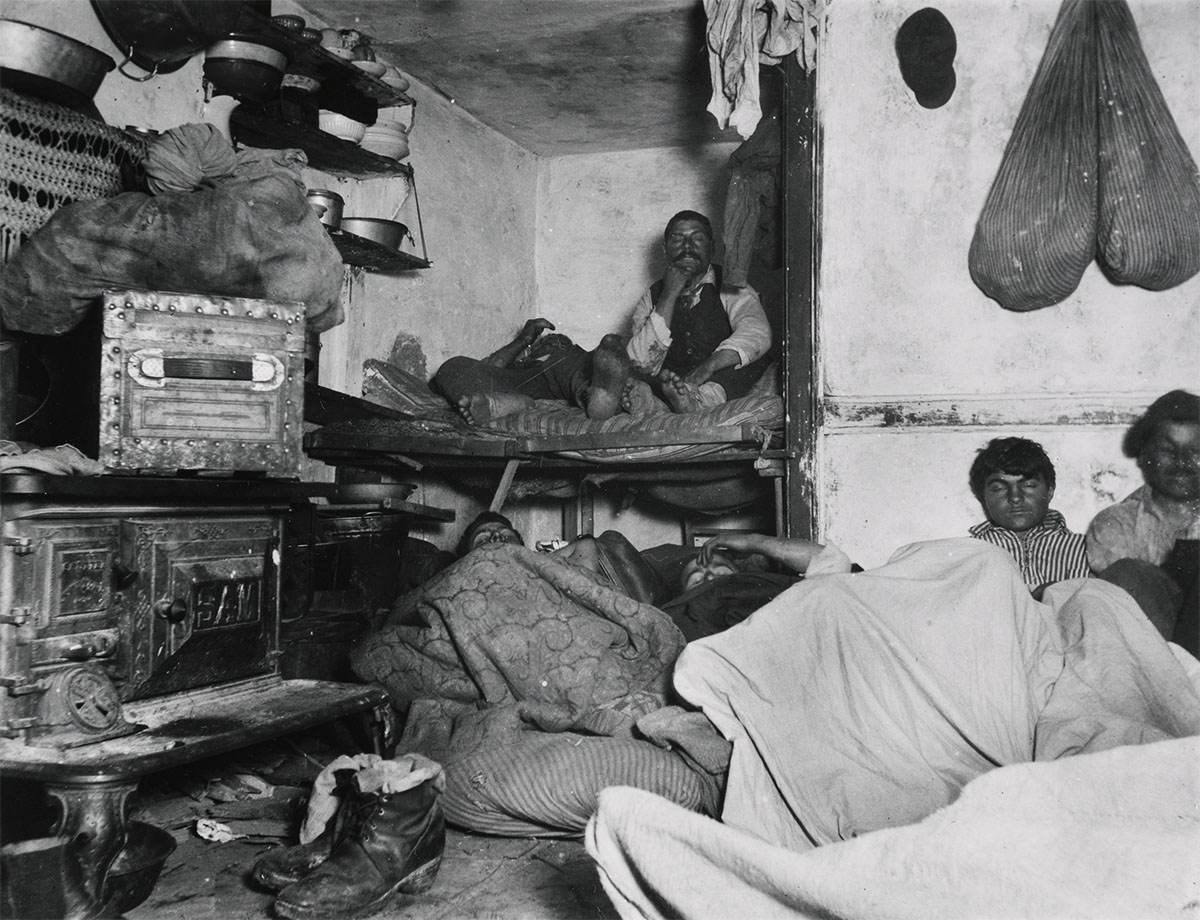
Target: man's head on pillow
[[489, 527], [695, 573]]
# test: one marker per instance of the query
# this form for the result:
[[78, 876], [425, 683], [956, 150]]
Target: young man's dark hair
[[1015, 456], [1177, 407], [1014, 482]]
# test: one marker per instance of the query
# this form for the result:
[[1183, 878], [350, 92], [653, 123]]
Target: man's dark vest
[[695, 334]]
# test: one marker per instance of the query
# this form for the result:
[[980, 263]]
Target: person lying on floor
[[729, 577], [867, 703], [524, 674], [734, 574], [536, 681], [610, 557]]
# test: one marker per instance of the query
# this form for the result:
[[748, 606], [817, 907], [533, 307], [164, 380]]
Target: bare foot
[[483, 408], [680, 395], [610, 371], [639, 400]]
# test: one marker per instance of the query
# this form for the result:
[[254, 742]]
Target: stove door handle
[[173, 611]]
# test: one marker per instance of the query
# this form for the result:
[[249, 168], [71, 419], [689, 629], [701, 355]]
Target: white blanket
[[862, 702], [1110, 835]]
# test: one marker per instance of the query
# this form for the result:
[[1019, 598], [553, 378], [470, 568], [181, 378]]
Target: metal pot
[[245, 66], [328, 206], [133, 874], [50, 66], [389, 233], [161, 35]]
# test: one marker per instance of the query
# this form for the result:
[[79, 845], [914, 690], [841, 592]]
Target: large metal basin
[[389, 233], [50, 65]]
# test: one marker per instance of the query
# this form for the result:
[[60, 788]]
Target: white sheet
[[1109, 835], [862, 702]]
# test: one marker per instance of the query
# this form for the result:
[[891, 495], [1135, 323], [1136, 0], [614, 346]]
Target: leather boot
[[285, 866], [41, 879], [397, 847], [278, 868]]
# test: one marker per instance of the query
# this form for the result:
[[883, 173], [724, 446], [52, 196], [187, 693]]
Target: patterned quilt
[[508, 627]]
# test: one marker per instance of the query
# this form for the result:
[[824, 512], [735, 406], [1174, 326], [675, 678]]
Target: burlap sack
[[251, 234]]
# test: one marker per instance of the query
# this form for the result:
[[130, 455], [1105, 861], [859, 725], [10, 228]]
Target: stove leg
[[94, 813]]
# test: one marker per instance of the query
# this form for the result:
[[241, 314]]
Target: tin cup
[[327, 205]]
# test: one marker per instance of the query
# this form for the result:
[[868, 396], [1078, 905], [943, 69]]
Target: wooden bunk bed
[[776, 446], [556, 445]]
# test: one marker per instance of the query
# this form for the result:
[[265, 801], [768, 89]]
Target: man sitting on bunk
[[1014, 482], [695, 343]]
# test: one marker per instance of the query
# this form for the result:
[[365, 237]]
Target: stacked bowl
[[387, 139], [341, 126]]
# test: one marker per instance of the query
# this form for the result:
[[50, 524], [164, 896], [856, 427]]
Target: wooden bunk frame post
[[802, 257]]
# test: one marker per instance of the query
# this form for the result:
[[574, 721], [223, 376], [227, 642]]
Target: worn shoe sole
[[420, 880]]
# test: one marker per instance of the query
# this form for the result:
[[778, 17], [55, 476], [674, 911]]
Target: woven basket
[[51, 156]]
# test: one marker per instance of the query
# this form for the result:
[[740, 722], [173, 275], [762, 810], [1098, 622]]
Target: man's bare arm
[[792, 552], [505, 355]]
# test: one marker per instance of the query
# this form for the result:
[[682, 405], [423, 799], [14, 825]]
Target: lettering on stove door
[[220, 593], [226, 602]]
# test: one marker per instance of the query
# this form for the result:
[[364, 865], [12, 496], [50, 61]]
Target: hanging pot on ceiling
[[50, 66], [160, 36]]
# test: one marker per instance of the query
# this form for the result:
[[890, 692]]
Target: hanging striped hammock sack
[[1148, 232], [1037, 232]]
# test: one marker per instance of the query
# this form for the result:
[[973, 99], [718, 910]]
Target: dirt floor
[[226, 812], [480, 877]]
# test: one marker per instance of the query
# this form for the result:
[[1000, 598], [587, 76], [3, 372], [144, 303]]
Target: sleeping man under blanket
[[851, 703], [924, 740]]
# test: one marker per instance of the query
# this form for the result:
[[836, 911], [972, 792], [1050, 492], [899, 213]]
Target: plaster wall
[[917, 367], [600, 223], [476, 192]]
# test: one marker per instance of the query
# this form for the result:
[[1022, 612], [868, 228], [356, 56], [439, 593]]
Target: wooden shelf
[[261, 125], [369, 255], [337, 76]]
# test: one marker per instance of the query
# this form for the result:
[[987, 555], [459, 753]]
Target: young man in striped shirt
[[1014, 481]]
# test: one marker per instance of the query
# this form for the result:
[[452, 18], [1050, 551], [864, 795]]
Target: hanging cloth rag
[[744, 33]]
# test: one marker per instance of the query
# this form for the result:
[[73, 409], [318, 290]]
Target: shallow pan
[[389, 233]]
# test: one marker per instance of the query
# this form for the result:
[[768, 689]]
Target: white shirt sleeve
[[751, 335], [651, 339]]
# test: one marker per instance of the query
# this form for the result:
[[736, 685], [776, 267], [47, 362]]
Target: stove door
[[205, 606]]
